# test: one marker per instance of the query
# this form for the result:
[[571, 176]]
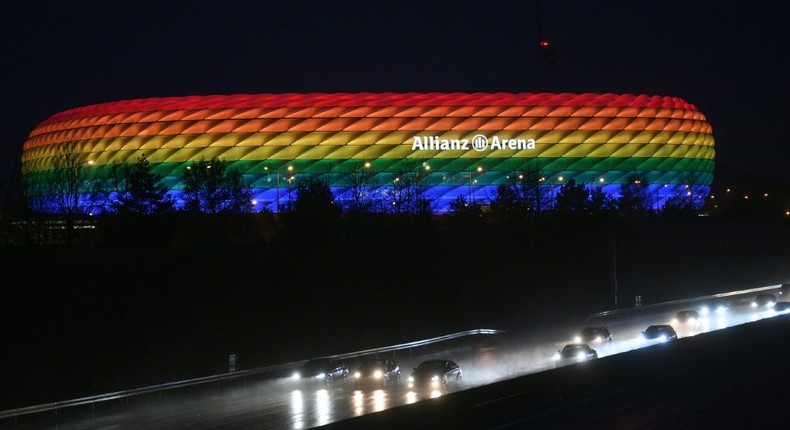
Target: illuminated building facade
[[446, 144]]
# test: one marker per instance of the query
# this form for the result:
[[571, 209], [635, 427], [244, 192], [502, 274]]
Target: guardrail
[[681, 301], [92, 400]]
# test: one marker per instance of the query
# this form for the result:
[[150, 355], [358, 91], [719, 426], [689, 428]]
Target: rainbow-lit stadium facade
[[601, 140]]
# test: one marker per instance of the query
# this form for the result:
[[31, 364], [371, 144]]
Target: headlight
[[411, 378], [598, 339], [754, 304], [378, 374], [692, 321], [357, 375], [721, 310], [577, 339], [580, 356], [435, 378], [556, 357], [662, 338], [296, 375], [674, 320], [769, 304], [320, 375], [704, 310]]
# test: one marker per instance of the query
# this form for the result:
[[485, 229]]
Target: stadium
[[379, 145]]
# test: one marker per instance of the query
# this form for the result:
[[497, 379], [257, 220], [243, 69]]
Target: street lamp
[[471, 184], [277, 176]]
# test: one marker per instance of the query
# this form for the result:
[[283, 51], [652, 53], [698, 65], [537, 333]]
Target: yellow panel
[[676, 138], [624, 136], [661, 137], [663, 151], [579, 150], [604, 150], [283, 139], [626, 151], [321, 152], [551, 137], [226, 140], [339, 138], [642, 136], [199, 141], [289, 152], [556, 150], [600, 137], [310, 139]]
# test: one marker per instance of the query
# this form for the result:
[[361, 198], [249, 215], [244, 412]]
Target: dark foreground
[[734, 378], [121, 314]]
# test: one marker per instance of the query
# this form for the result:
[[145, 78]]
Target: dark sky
[[730, 59]]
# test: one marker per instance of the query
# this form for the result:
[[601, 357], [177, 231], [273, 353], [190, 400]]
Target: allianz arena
[[456, 144]]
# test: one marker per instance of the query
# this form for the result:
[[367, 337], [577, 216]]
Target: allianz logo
[[479, 142]]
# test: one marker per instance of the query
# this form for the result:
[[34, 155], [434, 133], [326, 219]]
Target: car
[[660, 332], [782, 306], [594, 335], [323, 369], [378, 372], [764, 300], [715, 306], [435, 374], [687, 318], [574, 353]]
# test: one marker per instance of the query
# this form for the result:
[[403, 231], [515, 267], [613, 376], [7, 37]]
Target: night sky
[[727, 58]]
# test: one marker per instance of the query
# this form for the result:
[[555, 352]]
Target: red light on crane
[[543, 44]]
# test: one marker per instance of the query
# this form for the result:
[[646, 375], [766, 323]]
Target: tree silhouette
[[573, 198], [634, 198], [213, 187], [143, 193]]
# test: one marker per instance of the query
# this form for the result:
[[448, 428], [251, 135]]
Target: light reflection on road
[[293, 404]]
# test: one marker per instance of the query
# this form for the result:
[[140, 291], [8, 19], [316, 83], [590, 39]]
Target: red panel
[[330, 100]]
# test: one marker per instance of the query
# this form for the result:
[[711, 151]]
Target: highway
[[286, 403]]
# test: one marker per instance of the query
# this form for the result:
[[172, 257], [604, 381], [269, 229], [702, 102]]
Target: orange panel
[[657, 124], [637, 124], [362, 124], [417, 124], [309, 124], [522, 123], [443, 123], [617, 124], [280, 125], [390, 124], [252, 126], [476, 123], [593, 124], [585, 111], [224, 126], [463, 111], [498, 124], [548, 123]]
